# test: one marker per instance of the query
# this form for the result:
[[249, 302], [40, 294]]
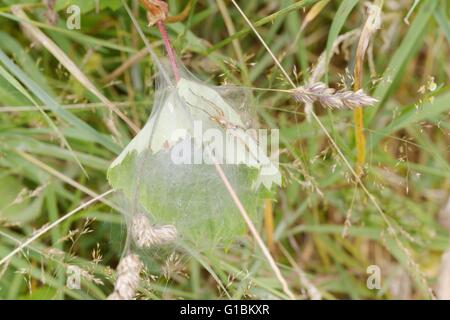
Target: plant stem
[[358, 114], [360, 139], [169, 50], [372, 23]]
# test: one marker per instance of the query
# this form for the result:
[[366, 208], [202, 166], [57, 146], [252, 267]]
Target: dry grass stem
[[65, 178], [135, 58], [311, 289], [443, 283], [269, 223], [443, 280], [252, 229]]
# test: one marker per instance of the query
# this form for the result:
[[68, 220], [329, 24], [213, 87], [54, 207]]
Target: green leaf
[[9, 95], [190, 197], [41, 293]]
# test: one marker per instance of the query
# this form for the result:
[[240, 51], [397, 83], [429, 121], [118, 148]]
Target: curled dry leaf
[[157, 10]]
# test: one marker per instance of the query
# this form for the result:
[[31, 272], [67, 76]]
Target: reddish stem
[[170, 52]]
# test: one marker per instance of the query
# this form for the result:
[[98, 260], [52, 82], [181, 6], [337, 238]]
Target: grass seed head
[[329, 97], [127, 278]]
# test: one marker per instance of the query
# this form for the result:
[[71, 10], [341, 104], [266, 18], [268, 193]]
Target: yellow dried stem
[[360, 140], [313, 13], [372, 24]]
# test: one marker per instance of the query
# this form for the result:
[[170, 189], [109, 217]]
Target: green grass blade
[[342, 14], [21, 89], [401, 56], [56, 107]]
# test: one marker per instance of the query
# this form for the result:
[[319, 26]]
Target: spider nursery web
[[188, 197]]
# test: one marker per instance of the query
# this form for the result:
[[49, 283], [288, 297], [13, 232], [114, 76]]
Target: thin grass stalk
[[236, 44], [50, 226]]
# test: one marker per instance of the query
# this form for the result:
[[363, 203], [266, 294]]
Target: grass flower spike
[[329, 97]]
